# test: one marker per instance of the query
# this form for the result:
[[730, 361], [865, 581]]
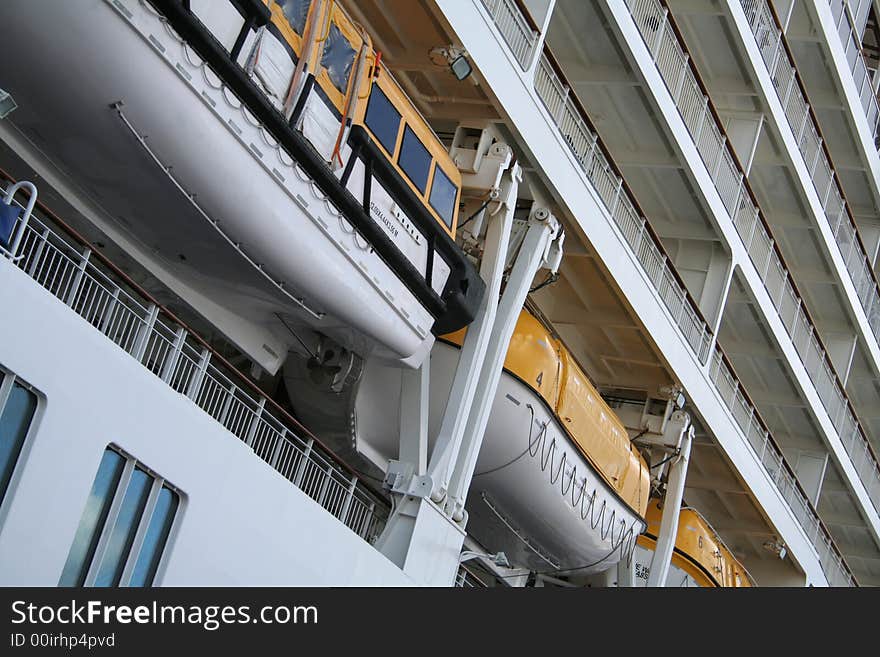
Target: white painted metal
[[533, 495], [277, 219], [672, 500], [621, 247], [231, 501], [171, 353]]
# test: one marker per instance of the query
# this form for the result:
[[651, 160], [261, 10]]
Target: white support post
[[78, 276], [476, 343], [626, 575], [672, 503], [414, 408], [542, 231], [173, 358]]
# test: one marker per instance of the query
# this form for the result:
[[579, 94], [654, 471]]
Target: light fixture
[[461, 68], [7, 104], [454, 58]]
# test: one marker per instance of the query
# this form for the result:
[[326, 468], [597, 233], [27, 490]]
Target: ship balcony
[[800, 193], [546, 114]]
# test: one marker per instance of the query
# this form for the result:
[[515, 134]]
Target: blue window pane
[[296, 12], [382, 119], [154, 541], [414, 159], [92, 522], [125, 528], [14, 423], [337, 58], [443, 194]]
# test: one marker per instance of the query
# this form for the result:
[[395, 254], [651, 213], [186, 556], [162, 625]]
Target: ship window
[[382, 119], [443, 194], [16, 414], [338, 58], [414, 159], [296, 12], [124, 527]]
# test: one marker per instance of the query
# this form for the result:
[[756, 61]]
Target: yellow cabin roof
[[544, 364]]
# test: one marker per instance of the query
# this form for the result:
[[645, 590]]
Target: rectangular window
[[382, 119], [414, 159], [443, 196], [17, 407], [337, 58], [296, 12], [124, 527]]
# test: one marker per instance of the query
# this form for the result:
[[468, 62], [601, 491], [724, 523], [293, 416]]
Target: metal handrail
[[779, 61], [852, 49], [517, 30], [131, 318], [567, 114], [666, 45]]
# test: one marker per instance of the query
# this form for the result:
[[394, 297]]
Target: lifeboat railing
[[109, 300], [852, 50], [566, 112]]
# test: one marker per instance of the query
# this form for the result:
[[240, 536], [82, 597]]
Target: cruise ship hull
[[114, 99]]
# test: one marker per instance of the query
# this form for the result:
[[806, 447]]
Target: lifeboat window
[[414, 159], [382, 119], [338, 58], [296, 12], [443, 193]]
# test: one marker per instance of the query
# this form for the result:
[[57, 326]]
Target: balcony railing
[[852, 48], [805, 128], [108, 300], [568, 115], [516, 30], [703, 124]]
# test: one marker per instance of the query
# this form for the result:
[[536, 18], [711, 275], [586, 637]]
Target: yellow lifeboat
[[558, 485], [700, 558]]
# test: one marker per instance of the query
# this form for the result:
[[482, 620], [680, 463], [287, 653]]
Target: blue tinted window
[[154, 541], [115, 515], [296, 12], [15, 420], [337, 58], [443, 195], [92, 522], [382, 119], [414, 159], [125, 528]]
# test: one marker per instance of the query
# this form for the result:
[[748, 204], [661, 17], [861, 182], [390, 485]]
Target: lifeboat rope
[[625, 539]]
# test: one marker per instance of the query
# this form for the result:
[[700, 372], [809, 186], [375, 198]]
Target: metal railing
[[805, 128], [755, 433], [588, 153], [87, 283], [673, 63], [573, 123], [852, 48], [515, 29]]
